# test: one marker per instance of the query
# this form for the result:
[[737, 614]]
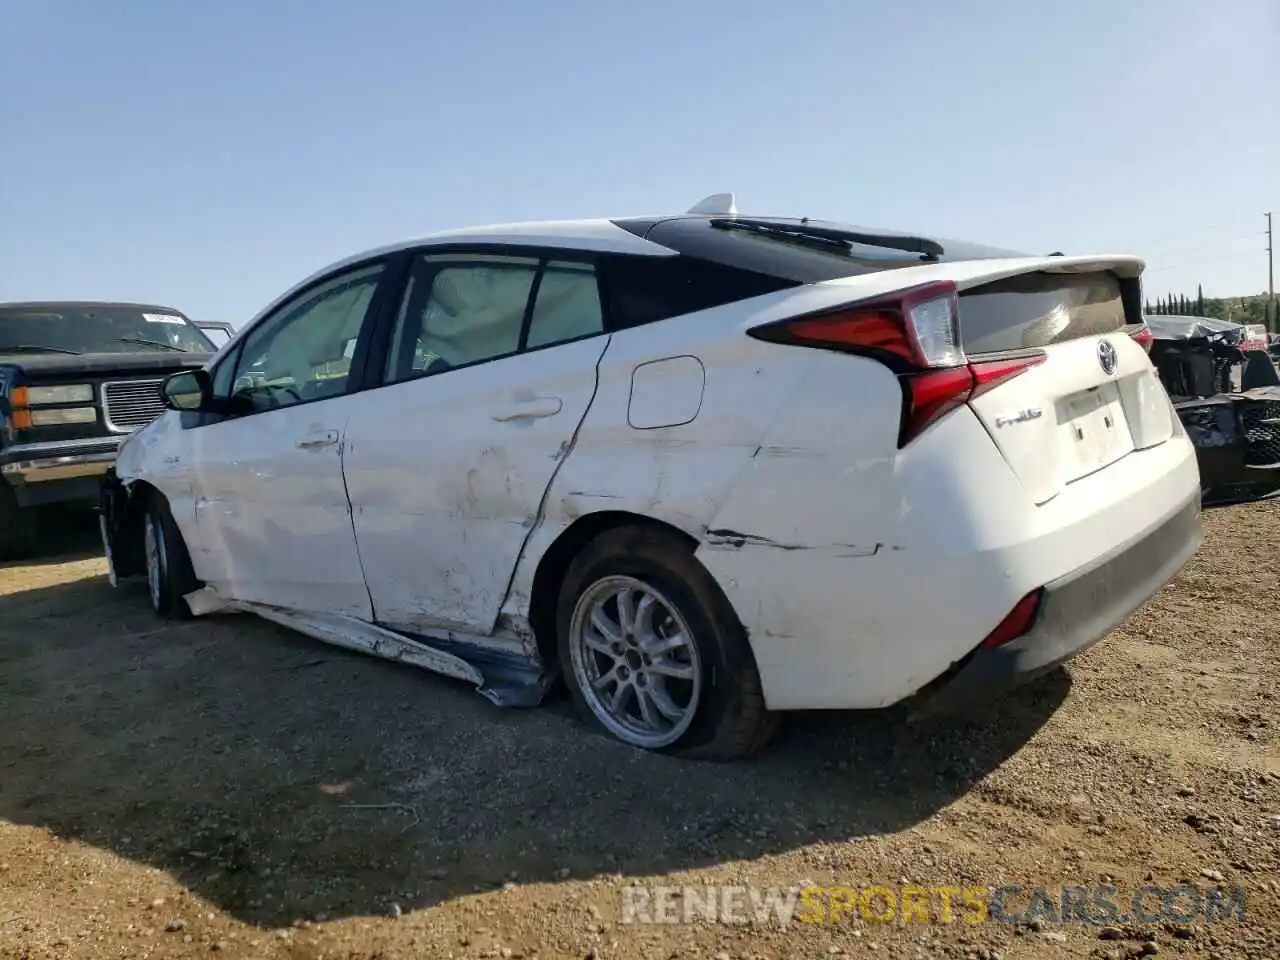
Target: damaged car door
[[271, 512], [490, 368]]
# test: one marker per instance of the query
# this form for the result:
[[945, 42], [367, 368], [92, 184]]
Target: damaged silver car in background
[[1226, 390]]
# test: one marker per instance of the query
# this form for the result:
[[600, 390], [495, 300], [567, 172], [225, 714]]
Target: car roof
[[621, 234], [56, 305]]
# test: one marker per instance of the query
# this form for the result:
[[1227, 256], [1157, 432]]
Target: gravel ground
[[226, 787]]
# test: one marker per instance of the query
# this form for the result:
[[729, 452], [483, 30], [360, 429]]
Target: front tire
[[170, 576], [18, 527], [652, 652]]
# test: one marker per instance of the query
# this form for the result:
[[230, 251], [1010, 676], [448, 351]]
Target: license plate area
[[1094, 430]]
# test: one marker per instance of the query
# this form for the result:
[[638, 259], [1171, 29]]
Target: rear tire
[[652, 652], [170, 576], [18, 527]]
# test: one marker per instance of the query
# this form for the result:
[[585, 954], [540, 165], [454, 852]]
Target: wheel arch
[[549, 575], [128, 522], [124, 505]]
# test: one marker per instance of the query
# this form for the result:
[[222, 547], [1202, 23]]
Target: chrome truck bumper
[[62, 471]]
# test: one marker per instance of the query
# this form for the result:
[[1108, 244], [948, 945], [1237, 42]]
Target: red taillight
[[908, 330], [916, 334], [1144, 337], [1020, 619], [931, 394]]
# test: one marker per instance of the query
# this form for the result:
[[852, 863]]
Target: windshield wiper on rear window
[[36, 348], [151, 343], [828, 238]]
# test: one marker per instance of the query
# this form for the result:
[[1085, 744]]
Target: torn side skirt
[[506, 681]]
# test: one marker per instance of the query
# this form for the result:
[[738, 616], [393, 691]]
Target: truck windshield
[[98, 328]]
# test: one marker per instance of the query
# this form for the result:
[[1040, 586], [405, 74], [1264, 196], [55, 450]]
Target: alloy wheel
[[636, 661]]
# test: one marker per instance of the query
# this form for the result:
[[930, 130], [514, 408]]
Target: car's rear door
[[490, 368]]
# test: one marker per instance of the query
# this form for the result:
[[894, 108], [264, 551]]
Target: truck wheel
[[170, 576], [18, 527], [651, 650]]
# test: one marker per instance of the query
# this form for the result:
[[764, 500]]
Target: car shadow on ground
[[283, 779], [64, 536]]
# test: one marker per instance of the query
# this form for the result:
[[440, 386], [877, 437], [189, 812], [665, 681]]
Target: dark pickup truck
[[75, 380]]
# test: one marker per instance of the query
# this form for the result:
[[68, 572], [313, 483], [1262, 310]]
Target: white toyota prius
[[704, 467]]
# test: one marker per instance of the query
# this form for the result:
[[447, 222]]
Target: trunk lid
[[1096, 397]]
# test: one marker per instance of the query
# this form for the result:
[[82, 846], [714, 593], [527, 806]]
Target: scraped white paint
[[445, 491]]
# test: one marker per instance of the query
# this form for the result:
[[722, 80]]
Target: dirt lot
[[225, 787]]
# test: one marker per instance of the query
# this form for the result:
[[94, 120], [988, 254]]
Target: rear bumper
[[1075, 613], [65, 471]]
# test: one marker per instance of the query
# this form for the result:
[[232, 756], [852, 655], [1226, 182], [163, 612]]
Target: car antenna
[[721, 204]]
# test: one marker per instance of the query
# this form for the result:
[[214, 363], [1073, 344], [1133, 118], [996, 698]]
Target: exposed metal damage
[[735, 540]]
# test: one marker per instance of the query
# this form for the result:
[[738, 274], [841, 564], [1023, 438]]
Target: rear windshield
[[789, 258], [98, 328], [1037, 309]]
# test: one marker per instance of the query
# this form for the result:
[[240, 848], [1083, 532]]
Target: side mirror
[[187, 391]]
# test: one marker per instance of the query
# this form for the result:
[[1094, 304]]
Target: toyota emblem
[[1107, 357]]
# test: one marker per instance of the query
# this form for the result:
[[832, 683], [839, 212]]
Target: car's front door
[[271, 511], [491, 368]]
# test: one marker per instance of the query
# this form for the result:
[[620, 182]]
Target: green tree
[[1199, 300]]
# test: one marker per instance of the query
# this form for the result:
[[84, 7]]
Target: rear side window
[[567, 305], [644, 289], [1039, 309]]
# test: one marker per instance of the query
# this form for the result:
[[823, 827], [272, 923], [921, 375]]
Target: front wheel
[[169, 574], [652, 651]]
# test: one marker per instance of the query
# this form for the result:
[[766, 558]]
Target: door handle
[[531, 410], [314, 441]]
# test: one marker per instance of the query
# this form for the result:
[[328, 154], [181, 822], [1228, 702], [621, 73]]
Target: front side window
[[98, 328], [302, 351], [567, 306]]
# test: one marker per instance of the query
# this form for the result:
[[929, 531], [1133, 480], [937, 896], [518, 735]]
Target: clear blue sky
[[210, 153]]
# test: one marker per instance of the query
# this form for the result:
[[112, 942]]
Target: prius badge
[[1022, 416]]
